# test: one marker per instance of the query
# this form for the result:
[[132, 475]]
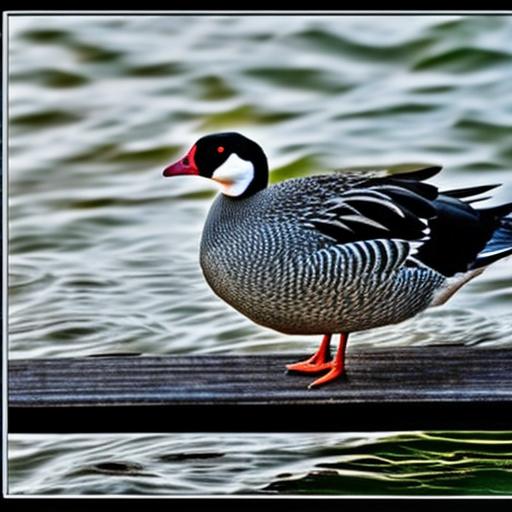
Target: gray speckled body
[[262, 257]]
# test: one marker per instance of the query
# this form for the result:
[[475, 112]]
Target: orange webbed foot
[[335, 373], [308, 366], [318, 363]]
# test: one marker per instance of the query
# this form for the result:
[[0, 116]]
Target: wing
[[393, 207], [442, 230]]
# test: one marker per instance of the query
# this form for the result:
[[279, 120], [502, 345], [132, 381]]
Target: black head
[[237, 163]]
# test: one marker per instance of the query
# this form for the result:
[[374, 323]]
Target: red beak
[[184, 166]]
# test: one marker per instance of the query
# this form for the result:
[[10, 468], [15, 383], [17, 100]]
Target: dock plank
[[385, 389]]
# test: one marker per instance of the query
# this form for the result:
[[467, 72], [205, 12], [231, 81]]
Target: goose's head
[[233, 161]]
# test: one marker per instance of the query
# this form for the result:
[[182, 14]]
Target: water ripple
[[418, 463], [93, 224]]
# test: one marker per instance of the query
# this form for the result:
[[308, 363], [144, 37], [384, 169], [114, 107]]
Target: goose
[[336, 253]]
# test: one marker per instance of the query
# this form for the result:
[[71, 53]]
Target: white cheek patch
[[234, 175]]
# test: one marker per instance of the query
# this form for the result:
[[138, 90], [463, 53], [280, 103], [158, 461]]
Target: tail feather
[[477, 199], [497, 212], [500, 245], [469, 192]]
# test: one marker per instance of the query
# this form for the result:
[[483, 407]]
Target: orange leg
[[317, 362], [337, 365]]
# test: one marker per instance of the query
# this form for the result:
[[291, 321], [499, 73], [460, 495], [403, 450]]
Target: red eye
[[220, 149]]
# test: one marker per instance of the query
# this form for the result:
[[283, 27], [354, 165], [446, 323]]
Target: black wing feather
[[469, 192], [416, 204], [386, 207], [424, 190], [407, 226], [419, 174], [451, 232]]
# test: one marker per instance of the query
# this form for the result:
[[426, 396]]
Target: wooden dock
[[438, 387]]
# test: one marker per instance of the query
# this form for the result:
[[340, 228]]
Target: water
[[104, 251], [437, 463]]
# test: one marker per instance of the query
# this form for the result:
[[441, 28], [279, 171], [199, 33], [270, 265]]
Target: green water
[[103, 252]]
